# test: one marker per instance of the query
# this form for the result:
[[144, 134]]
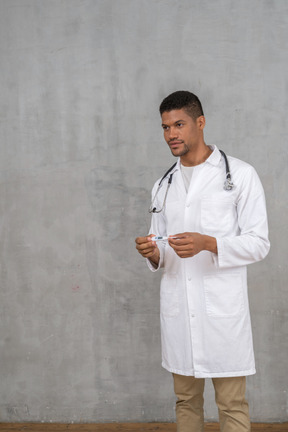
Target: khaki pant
[[230, 398]]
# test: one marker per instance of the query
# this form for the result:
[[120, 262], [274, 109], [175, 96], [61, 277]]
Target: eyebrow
[[177, 121]]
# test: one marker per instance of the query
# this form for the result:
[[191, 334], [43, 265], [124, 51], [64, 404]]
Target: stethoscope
[[228, 185]]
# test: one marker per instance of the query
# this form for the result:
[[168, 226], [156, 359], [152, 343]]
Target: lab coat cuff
[[217, 257], [152, 266]]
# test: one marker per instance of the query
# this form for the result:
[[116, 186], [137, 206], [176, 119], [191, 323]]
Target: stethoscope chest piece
[[228, 185]]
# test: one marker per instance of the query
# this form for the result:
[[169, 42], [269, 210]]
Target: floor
[[124, 427]]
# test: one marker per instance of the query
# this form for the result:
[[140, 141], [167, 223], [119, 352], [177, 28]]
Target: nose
[[172, 134]]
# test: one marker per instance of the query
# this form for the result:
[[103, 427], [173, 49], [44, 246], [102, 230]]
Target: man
[[214, 232]]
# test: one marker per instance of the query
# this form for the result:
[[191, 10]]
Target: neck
[[197, 158]]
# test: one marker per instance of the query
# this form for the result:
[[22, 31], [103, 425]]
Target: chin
[[179, 153], [174, 153]]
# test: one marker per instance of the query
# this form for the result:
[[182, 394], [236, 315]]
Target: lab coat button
[[189, 278]]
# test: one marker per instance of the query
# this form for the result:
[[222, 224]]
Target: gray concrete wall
[[81, 146]]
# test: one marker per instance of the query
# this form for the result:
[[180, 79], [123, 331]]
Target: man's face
[[182, 133]]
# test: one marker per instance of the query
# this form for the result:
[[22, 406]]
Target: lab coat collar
[[215, 156], [213, 159]]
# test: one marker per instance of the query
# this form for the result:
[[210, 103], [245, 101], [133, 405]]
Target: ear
[[201, 122]]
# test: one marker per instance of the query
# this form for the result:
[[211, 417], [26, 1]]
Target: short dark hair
[[182, 99]]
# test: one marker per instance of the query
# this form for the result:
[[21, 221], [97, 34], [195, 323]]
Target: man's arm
[[148, 249], [189, 244], [250, 245]]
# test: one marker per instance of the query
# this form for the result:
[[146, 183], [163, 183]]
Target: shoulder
[[240, 167], [244, 175]]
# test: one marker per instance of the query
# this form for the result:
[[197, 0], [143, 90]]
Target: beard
[[182, 152]]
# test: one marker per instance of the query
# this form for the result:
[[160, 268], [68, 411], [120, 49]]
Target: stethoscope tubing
[[228, 185]]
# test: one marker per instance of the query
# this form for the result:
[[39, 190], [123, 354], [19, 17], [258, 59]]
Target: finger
[[145, 247], [146, 251], [184, 249], [148, 255], [184, 253], [179, 241], [140, 240], [180, 235]]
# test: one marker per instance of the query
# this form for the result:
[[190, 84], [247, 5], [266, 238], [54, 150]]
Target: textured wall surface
[[80, 148]]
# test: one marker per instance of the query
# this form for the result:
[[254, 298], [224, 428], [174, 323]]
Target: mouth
[[174, 144]]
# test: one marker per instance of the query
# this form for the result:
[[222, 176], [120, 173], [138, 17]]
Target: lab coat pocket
[[169, 301], [223, 295], [217, 216]]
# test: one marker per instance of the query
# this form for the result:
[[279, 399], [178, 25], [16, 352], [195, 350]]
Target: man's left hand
[[189, 244]]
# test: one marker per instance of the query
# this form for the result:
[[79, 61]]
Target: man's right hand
[[147, 248]]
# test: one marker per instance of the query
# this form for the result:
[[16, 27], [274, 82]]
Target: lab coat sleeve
[[158, 227], [252, 244]]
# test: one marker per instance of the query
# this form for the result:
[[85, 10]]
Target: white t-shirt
[[187, 172]]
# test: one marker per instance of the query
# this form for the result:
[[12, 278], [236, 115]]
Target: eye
[[165, 128], [179, 124]]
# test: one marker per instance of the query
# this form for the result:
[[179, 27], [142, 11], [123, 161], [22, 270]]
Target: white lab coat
[[205, 319]]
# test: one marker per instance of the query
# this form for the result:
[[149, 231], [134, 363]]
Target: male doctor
[[214, 232]]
